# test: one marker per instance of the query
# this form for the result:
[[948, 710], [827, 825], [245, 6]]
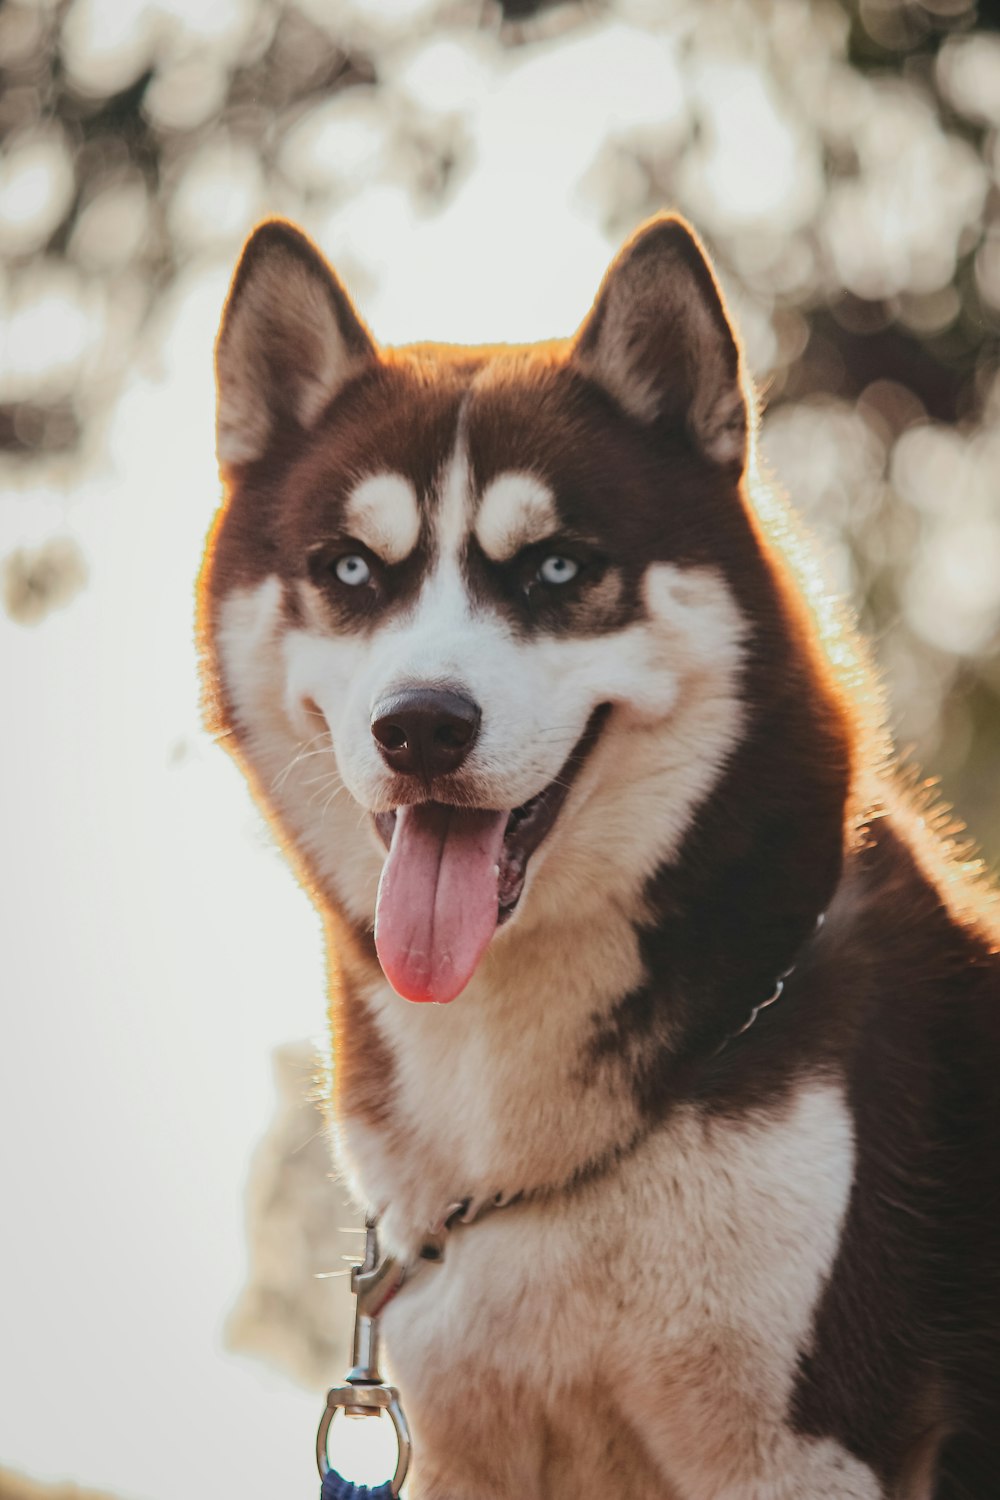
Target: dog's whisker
[[305, 752], [328, 802], [323, 779]]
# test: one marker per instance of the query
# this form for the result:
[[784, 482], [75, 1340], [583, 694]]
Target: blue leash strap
[[335, 1487]]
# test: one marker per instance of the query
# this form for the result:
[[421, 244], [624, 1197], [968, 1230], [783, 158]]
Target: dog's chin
[[528, 825]]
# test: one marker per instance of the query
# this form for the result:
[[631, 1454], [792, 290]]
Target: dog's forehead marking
[[451, 522], [516, 509], [382, 511]]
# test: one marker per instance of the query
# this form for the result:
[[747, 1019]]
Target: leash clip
[[365, 1394]]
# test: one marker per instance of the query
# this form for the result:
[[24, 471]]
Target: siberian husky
[[517, 658]]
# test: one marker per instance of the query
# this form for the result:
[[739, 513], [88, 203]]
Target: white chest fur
[[638, 1335]]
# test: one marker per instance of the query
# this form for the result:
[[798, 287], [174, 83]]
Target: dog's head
[[489, 610]]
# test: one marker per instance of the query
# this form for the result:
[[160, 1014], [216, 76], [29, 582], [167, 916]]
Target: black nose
[[425, 732]]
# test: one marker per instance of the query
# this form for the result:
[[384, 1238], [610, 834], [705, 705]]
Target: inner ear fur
[[290, 340], [660, 341]]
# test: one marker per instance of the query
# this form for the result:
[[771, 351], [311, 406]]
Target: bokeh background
[[470, 166]]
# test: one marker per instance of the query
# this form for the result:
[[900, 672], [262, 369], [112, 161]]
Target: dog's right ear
[[659, 340], [290, 340]]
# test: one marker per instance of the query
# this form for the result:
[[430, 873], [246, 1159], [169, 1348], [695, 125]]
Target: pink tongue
[[437, 899]]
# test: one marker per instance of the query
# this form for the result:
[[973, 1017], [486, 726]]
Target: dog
[[665, 1022]]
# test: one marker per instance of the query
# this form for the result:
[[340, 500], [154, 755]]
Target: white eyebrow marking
[[516, 510], [382, 512]]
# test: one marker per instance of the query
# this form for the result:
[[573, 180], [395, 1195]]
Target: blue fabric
[[335, 1487]]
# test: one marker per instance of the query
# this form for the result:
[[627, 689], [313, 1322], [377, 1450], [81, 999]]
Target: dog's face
[[482, 602]]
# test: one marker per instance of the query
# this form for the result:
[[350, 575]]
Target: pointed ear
[[290, 339], [659, 340]]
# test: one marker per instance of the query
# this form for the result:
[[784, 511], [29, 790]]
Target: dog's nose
[[425, 732]]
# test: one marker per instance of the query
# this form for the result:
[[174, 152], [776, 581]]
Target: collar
[[376, 1286], [776, 994]]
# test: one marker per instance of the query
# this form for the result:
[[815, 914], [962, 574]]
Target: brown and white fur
[[762, 1266]]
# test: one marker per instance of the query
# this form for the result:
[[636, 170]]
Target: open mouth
[[454, 874]]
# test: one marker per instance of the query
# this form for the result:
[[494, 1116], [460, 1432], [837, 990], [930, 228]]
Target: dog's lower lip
[[529, 824]]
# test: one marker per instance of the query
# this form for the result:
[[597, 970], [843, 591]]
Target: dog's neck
[[474, 1097]]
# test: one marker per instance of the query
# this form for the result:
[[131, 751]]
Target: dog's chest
[[497, 1094], [692, 1269]]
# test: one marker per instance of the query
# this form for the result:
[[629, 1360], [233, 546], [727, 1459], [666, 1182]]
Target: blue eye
[[556, 570], [352, 570]]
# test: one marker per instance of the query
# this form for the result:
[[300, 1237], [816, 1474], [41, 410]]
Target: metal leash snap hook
[[370, 1401], [365, 1393]]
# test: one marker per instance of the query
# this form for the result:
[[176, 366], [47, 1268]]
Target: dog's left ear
[[659, 340], [290, 340]]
